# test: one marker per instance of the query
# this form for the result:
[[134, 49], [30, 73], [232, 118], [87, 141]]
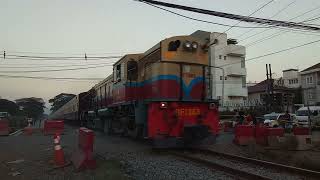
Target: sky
[[117, 27]]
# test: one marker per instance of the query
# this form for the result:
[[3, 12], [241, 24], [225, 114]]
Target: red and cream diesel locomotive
[[160, 95]]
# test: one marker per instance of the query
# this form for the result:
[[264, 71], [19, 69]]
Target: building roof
[[290, 70], [40, 100], [316, 66], [263, 85], [64, 94]]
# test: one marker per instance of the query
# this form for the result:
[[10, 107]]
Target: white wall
[[291, 79], [234, 91]]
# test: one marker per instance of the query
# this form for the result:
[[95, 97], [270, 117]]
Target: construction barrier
[[82, 158], [4, 127], [53, 127], [227, 126], [28, 130], [261, 135], [275, 132], [301, 131], [244, 134], [276, 137]]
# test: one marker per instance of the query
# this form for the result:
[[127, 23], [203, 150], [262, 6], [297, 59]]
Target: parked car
[[4, 115], [302, 116], [279, 119]]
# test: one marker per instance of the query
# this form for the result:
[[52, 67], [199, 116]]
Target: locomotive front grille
[[195, 133]]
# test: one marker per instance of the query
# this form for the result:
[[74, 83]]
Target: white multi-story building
[[228, 72], [310, 82], [291, 78]]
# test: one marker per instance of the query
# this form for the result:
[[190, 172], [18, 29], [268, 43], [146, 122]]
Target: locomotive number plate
[[188, 112]]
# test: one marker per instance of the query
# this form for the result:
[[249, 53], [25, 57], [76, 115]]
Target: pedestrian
[[249, 119], [241, 117]]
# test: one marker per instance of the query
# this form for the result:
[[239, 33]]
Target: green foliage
[[9, 106], [31, 107]]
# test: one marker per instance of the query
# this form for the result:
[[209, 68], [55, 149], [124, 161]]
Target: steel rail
[[239, 174], [291, 169]]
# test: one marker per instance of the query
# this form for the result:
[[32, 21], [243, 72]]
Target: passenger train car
[[160, 95]]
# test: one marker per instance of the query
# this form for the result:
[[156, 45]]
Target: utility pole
[[267, 99], [271, 89]]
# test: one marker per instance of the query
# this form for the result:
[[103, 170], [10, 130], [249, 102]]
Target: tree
[[31, 107], [60, 100], [9, 106]]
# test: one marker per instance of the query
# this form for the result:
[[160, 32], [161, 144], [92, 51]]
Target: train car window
[[118, 72], [174, 45], [132, 70]]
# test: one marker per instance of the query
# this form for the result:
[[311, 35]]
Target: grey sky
[[74, 27]]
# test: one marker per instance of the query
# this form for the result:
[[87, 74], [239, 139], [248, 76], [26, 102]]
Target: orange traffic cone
[[58, 152]]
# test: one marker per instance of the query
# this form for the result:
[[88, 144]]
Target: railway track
[[245, 168]]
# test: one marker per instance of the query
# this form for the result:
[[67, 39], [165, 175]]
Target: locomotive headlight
[[163, 105], [194, 45], [187, 45]]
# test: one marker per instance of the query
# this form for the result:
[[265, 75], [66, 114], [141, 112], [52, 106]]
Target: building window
[[225, 78], [243, 63], [221, 78], [225, 57], [220, 56], [289, 81], [244, 82], [309, 80], [310, 95]]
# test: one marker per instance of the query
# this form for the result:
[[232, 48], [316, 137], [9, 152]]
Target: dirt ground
[[31, 158], [309, 159]]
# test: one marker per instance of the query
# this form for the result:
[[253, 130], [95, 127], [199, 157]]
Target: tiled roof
[[316, 66], [262, 87]]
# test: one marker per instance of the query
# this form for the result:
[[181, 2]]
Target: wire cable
[[51, 78], [274, 15], [49, 66], [56, 70], [273, 53], [205, 21], [285, 24], [56, 59], [300, 15]]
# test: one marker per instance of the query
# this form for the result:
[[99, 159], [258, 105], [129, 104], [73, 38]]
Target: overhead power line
[[236, 17], [61, 57], [49, 66], [274, 15], [51, 78], [264, 5], [209, 22], [275, 52], [65, 53], [58, 59], [55, 70], [300, 15]]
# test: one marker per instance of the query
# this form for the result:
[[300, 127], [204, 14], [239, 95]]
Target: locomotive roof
[[125, 56], [104, 80]]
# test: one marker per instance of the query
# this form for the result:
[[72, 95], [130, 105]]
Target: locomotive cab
[[174, 74]]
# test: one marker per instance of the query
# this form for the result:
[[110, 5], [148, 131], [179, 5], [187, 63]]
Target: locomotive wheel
[[136, 133]]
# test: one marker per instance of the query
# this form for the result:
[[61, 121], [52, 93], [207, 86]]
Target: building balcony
[[235, 50], [236, 92], [235, 71]]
